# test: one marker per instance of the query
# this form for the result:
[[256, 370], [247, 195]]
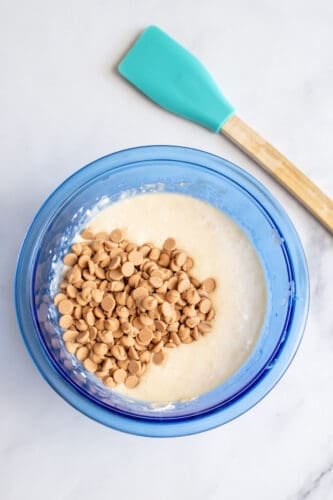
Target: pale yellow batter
[[221, 250]]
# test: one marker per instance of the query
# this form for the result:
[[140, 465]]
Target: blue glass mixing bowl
[[190, 172]]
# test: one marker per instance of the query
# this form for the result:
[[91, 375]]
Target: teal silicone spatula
[[176, 80]]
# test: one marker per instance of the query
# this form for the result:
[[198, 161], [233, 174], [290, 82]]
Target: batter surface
[[221, 250]]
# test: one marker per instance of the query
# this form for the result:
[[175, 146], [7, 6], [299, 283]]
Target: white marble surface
[[61, 106]]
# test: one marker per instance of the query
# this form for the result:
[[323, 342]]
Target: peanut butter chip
[[117, 235], [90, 365], [109, 382], [71, 347], [75, 275], [70, 259], [209, 285], [145, 357], [135, 257], [164, 259], [107, 337], [81, 325], [112, 324], [65, 307], [149, 303], [77, 249], [82, 353], [205, 306], [83, 261], [97, 295], [90, 318], [160, 326], [69, 335], [204, 327], [87, 234], [100, 348], [71, 291], [115, 262], [115, 274], [192, 322], [119, 352], [188, 264], [121, 304], [158, 357], [66, 321], [120, 376], [156, 281], [58, 298], [134, 367], [145, 319], [108, 303], [172, 296], [211, 315], [183, 285], [180, 259], [127, 341], [131, 381], [145, 336], [127, 269], [175, 339], [83, 337], [167, 309], [132, 354], [102, 235], [154, 254], [169, 244], [140, 293], [192, 296]]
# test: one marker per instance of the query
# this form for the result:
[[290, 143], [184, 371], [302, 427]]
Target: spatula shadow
[[114, 67]]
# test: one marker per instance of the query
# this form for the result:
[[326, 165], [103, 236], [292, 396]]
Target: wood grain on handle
[[301, 187]]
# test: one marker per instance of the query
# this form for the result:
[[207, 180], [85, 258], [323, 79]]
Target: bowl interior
[[222, 185]]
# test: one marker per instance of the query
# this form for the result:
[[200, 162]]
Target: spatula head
[[176, 80]]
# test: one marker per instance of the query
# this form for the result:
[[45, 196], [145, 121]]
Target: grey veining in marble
[[61, 106], [321, 486]]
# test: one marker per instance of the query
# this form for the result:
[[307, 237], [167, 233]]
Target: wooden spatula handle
[[301, 187]]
